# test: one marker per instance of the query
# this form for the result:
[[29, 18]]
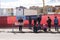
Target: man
[[49, 23], [56, 23], [30, 21], [20, 22], [39, 21], [35, 27]]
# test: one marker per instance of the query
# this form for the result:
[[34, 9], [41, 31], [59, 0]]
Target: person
[[30, 21], [49, 23], [56, 23], [20, 21], [35, 27], [35, 21], [44, 28], [39, 21]]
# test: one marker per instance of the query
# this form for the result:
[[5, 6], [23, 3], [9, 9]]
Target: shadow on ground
[[31, 32]]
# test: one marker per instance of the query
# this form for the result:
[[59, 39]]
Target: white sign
[[19, 12], [51, 12], [30, 12]]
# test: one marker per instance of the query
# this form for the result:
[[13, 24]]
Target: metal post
[[0, 3], [43, 7], [23, 11]]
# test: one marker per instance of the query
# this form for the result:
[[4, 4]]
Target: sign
[[28, 12], [18, 17], [19, 12]]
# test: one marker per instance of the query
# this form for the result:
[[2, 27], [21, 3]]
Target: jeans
[[35, 29], [20, 28], [56, 27], [39, 27], [30, 26]]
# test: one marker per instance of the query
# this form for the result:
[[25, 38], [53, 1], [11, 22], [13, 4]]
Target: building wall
[[1, 11], [9, 11], [57, 10], [6, 11], [39, 9], [49, 9], [14, 11]]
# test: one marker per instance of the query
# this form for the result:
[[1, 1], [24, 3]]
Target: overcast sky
[[26, 3]]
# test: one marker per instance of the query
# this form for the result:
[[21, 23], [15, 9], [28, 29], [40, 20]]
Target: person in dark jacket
[[35, 27], [20, 21], [56, 23], [35, 21], [49, 23], [30, 21], [39, 21]]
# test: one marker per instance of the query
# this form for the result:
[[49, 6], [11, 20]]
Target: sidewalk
[[16, 30]]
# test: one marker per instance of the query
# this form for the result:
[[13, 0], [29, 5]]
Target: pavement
[[27, 34], [26, 30], [14, 34]]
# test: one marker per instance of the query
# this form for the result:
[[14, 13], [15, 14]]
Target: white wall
[[1, 11], [5, 12], [19, 12], [14, 11]]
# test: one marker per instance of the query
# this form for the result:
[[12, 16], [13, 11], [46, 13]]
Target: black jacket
[[49, 21]]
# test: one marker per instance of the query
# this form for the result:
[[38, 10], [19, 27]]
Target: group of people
[[44, 27], [38, 20], [55, 23]]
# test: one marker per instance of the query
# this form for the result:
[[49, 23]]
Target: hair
[[48, 17], [55, 16]]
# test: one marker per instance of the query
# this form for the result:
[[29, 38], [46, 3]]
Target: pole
[[0, 3], [43, 7], [23, 11]]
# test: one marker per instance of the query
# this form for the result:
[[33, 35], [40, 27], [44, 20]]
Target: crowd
[[38, 20]]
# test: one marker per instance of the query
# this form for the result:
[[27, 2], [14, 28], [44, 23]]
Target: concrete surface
[[7, 34]]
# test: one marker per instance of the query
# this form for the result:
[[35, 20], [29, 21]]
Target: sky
[[26, 3]]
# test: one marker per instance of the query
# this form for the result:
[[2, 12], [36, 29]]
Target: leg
[[20, 28], [35, 29], [30, 26], [39, 26], [55, 28], [45, 30], [49, 27]]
